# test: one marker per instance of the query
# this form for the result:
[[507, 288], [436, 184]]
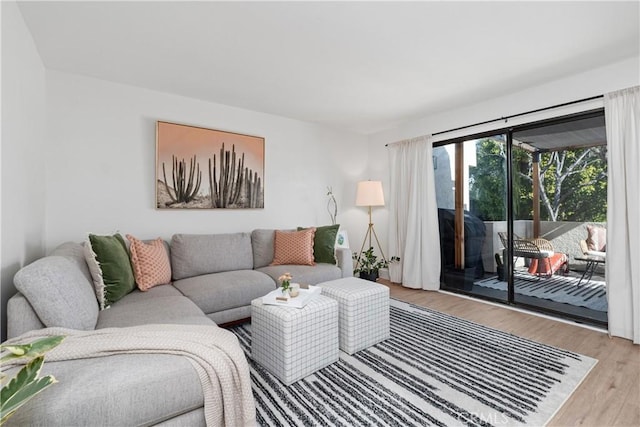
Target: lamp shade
[[370, 194]]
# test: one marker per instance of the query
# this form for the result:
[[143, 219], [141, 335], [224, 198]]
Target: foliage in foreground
[[25, 384]]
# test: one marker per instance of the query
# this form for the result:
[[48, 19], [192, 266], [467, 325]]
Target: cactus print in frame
[[199, 168]]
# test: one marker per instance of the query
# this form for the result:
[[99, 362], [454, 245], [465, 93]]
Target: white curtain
[[413, 223], [622, 115]]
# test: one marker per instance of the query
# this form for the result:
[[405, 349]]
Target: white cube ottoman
[[363, 308], [292, 343]]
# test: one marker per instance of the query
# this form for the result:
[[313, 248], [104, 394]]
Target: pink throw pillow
[[597, 239], [151, 265], [294, 247]]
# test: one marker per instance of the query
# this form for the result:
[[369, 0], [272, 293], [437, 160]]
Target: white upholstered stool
[[363, 308], [292, 343]]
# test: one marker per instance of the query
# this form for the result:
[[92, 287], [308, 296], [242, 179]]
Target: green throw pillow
[[324, 243], [110, 268]]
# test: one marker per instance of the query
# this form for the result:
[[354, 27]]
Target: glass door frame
[[508, 132]]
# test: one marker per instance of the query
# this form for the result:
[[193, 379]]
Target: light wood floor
[[609, 396]]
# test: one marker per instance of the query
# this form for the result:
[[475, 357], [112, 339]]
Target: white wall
[[101, 164], [590, 83], [78, 155], [23, 159]]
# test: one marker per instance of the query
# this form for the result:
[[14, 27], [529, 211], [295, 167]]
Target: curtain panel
[[622, 115], [413, 214]]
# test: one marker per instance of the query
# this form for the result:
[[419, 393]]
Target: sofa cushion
[[21, 317], [75, 252], [305, 274], [262, 245], [143, 311], [231, 315], [155, 292], [197, 254], [150, 261], [119, 390], [293, 247], [324, 243], [110, 267], [226, 290], [59, 293]]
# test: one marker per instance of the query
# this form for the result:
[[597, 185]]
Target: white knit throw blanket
[[214, 352]]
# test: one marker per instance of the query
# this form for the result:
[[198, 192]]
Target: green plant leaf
[[26, 375], [22, 395], [17, 350], [35, 349], [25, 384]]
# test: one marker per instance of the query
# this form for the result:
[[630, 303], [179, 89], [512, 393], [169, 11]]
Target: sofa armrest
[[21, 317], [345, 261]]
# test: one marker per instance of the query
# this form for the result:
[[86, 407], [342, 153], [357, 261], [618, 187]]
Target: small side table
[[292, 343], [363, 308], [592, 262]]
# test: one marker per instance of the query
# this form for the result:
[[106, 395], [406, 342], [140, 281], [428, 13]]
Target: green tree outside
[[487, 181], [573, 183]]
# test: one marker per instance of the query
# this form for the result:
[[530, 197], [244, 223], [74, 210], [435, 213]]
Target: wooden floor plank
[[609, 396]]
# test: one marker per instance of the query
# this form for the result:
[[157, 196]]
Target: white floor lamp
[[370, 194]]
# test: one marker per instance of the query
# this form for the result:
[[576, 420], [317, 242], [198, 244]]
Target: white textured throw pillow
[[96, 272]]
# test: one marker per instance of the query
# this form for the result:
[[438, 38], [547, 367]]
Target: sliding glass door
[[471, 189], [560, 193], [515, 209]]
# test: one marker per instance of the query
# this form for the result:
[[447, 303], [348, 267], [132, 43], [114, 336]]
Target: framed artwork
[[342, 239], [199, 168]]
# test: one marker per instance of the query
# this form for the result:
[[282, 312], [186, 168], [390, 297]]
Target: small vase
[[294, 290]]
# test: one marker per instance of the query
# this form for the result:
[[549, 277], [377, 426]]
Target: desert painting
[[198, 168]]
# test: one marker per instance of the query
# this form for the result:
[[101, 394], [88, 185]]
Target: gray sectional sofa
[[215, 278]]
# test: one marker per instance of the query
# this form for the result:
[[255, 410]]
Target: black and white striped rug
[[591, 294], [435, 369]]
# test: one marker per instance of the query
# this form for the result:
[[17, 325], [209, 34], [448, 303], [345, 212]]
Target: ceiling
[[359, 66], [586, 132]]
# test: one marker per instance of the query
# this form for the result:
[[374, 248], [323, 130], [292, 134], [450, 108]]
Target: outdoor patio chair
[[544, 260], [584, 247], [594, 251], [596, 242]]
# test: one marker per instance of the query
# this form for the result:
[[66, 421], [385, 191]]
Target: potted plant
[[367, 265], [395, 269]]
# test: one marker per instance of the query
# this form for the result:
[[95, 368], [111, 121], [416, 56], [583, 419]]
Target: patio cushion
[[549, 265], [597, 238]]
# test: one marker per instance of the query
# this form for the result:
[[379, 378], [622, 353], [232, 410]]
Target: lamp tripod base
[[367, 237]]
